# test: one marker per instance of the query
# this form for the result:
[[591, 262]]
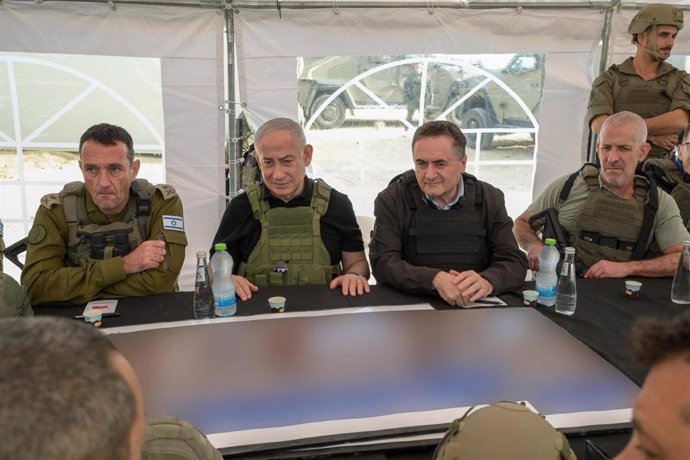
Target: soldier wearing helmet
[[645, 84]]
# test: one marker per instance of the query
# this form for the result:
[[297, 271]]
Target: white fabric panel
[[569, 37], [189, 43]]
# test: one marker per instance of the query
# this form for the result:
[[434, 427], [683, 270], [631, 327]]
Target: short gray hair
[[60, 395], [281, 124], [626, 118]]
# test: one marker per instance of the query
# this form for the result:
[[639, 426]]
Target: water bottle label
[[227, 301], [564, 269], [547, 290], [200, 278]]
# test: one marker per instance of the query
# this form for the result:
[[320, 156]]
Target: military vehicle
[[390, 87]]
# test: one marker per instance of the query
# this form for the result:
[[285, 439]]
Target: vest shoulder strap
[[320, 197], [259, 206], [651, 201], [589, 172], [473, 189]]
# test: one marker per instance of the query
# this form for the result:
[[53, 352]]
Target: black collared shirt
[[241, 231]]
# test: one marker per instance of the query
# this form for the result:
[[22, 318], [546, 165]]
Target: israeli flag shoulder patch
[[173, 223]]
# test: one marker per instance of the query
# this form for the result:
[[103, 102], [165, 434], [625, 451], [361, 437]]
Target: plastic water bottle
[[547, 279], [566, 294], [223, 284], [680, 289], [203, 295]]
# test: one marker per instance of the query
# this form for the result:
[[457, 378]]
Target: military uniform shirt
[[668, 229], [50, 280], [602, 100]]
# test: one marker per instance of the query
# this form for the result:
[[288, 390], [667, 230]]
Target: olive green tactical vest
[[671, 175], [89, 242], [645, 98], [608, 227], [290, 250]]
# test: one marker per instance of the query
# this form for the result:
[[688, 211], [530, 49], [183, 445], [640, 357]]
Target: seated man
[[67, 393], [661, 416], [620, 224], [111, 236], [671, 175], [440, 230], [261, 226]]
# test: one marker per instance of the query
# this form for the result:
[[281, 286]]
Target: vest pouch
[[276, 279], [261, 280], [590, 253], [311, 275]]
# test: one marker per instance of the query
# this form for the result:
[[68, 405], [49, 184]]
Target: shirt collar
[[306, 192], [461, 193]]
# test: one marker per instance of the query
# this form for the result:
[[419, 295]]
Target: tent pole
[[603, 58], [233, 143]]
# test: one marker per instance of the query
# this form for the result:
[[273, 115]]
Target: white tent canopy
[[269, 36]]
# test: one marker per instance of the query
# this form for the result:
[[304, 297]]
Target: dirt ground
[[40, 162]]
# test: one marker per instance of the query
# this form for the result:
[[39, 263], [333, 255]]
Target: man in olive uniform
[[292, 230], [645, 84], [111, 236], [672, 175], [620, 224]]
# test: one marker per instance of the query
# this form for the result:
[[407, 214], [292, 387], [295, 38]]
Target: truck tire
[[332, 116], [477, 118]]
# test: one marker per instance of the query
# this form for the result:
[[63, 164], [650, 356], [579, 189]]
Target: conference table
[[388, 370]]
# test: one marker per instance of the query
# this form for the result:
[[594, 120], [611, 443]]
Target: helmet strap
[[655, 51]]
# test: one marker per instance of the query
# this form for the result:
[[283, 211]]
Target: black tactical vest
[[453, 239]]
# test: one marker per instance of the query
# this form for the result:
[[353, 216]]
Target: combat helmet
[[503, 431], [658, 14]]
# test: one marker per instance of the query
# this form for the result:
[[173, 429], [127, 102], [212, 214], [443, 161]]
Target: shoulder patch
[[50, 200], [37, 234], [167, 191], [173, 223]]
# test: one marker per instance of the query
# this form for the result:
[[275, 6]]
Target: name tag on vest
[[173, 223]]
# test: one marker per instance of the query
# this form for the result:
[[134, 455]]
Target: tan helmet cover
[[503, 431], [656, 14]]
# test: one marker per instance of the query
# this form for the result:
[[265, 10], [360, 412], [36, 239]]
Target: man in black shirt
[[290, 229]]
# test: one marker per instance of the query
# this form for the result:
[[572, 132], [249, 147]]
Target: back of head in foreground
[[661, 416], [61, 395]]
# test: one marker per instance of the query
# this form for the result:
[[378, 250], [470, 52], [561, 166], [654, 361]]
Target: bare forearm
[[668, 123], [663, 266], [525, 235], [597, 122]]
